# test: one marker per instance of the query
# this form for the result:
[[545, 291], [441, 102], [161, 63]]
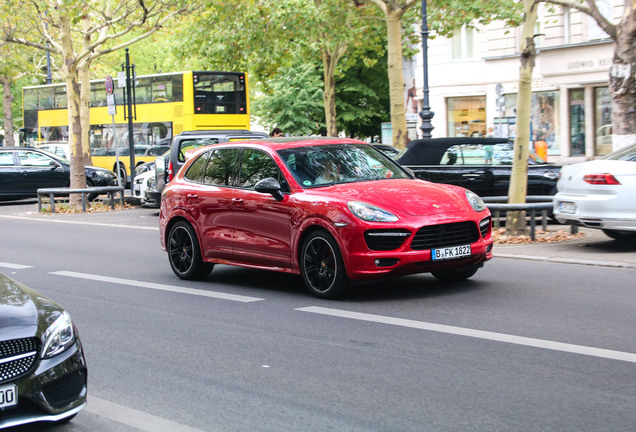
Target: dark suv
[[167, 165]]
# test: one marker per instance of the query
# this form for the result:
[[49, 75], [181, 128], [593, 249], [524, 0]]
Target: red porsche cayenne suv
[[332, 210]]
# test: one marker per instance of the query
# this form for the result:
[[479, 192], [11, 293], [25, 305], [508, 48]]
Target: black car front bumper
[[54, 391]]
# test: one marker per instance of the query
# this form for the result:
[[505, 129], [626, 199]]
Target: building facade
[[473, 82]]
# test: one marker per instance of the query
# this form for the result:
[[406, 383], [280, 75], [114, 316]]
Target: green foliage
[[362, 98], [294, 103]]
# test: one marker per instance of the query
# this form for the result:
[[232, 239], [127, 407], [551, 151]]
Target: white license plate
[[8, 396], [567, 207], [450, 252]]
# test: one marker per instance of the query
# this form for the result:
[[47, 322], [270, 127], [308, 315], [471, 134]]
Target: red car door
[[262, 225]]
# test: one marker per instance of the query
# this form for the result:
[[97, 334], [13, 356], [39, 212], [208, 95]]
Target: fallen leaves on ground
[[500, 237]]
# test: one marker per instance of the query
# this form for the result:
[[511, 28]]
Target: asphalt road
[[522, 346]]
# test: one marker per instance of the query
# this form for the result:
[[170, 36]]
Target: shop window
[[467, 116], [577, 122], [603, 121]]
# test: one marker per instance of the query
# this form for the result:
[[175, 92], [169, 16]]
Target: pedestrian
[[276, 132]]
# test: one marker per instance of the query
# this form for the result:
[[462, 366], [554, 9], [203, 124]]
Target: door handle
[[192, 196], [471, 175], [237, 200]]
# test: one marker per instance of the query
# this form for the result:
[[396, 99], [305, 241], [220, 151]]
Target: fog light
[[385, 262], [489, 248]]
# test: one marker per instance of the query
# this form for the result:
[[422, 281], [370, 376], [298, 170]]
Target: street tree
[[516, 221], [444, 17], [79, 31], [622, 73], [277, 34], [16, 62], [295, 103]]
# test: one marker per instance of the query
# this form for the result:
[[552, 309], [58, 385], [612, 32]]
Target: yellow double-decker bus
[[166, 105]]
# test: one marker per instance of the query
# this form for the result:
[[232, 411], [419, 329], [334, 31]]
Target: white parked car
[[60, 148], [143, 182], [600, 194]]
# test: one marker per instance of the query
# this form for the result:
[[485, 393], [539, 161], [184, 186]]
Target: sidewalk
[[595, 248]]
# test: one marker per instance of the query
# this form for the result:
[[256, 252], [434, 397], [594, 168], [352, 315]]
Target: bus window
[[216, 93]]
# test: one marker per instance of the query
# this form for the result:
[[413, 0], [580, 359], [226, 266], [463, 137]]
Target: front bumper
[[54, 391]]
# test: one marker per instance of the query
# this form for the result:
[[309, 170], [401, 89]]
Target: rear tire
[[623, 236], [322, 267], [184, 253], [456, 275]]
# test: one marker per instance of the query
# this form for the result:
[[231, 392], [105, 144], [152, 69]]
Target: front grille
[[385, 240], [484, 226], [65, 390], [17, 357], [453, 234]]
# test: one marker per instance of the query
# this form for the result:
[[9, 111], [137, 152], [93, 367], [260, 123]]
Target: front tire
[[184, 253], [322, 267], [623, 236], [456, 275]]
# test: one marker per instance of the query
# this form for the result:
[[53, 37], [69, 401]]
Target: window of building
[[603, 120], [467, 116], [463, 44], [577, 122]]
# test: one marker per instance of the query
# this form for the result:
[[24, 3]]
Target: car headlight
[[58, 337], [475, 202], [370, 213]]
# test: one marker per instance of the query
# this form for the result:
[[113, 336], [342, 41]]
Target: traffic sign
[[109, 85]]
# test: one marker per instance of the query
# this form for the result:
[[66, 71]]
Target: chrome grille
[[453, 234], [17, 357], [385, 240], [484, 226]]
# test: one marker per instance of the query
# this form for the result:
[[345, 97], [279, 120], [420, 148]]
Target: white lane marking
[[14, 266], [479, 334], [133, 418], [160, 287], [109, 225]]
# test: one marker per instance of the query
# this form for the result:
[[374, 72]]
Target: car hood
[[23, 310], [412, 197]]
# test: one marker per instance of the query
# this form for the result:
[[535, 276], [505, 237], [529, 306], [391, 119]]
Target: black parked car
[[482, 165], [25, 169], [42, 365]]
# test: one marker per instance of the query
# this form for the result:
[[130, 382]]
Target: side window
[[6, 158], [196, 172], [257, 165], [221, 166], [33, 159], [187, 145]]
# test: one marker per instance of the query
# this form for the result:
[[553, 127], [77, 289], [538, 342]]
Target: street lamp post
[[426, 114]]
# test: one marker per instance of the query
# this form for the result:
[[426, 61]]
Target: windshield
[[325, 165], [624, 154]]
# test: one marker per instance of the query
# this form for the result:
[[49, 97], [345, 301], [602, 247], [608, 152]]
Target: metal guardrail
[[533, 204], [54, 192]]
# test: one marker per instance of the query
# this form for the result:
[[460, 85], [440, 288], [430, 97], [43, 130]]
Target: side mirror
[[271, 186], [53, 165]]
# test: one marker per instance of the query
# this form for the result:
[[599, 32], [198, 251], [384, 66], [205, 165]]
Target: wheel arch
[[320, 225]]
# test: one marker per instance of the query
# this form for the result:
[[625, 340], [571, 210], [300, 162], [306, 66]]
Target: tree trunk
[[329, 62], [622, 83], [396, 79], [516, 221], [85, 94], [9, 139], [69, 66]]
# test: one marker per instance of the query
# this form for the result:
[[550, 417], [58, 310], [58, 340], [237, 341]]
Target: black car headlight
[[58, 337], [475, 202]]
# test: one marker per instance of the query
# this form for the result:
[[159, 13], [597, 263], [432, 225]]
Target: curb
[[611, 264]]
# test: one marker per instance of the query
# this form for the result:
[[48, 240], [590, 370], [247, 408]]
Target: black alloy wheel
[[184, 253], [322, 267]]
